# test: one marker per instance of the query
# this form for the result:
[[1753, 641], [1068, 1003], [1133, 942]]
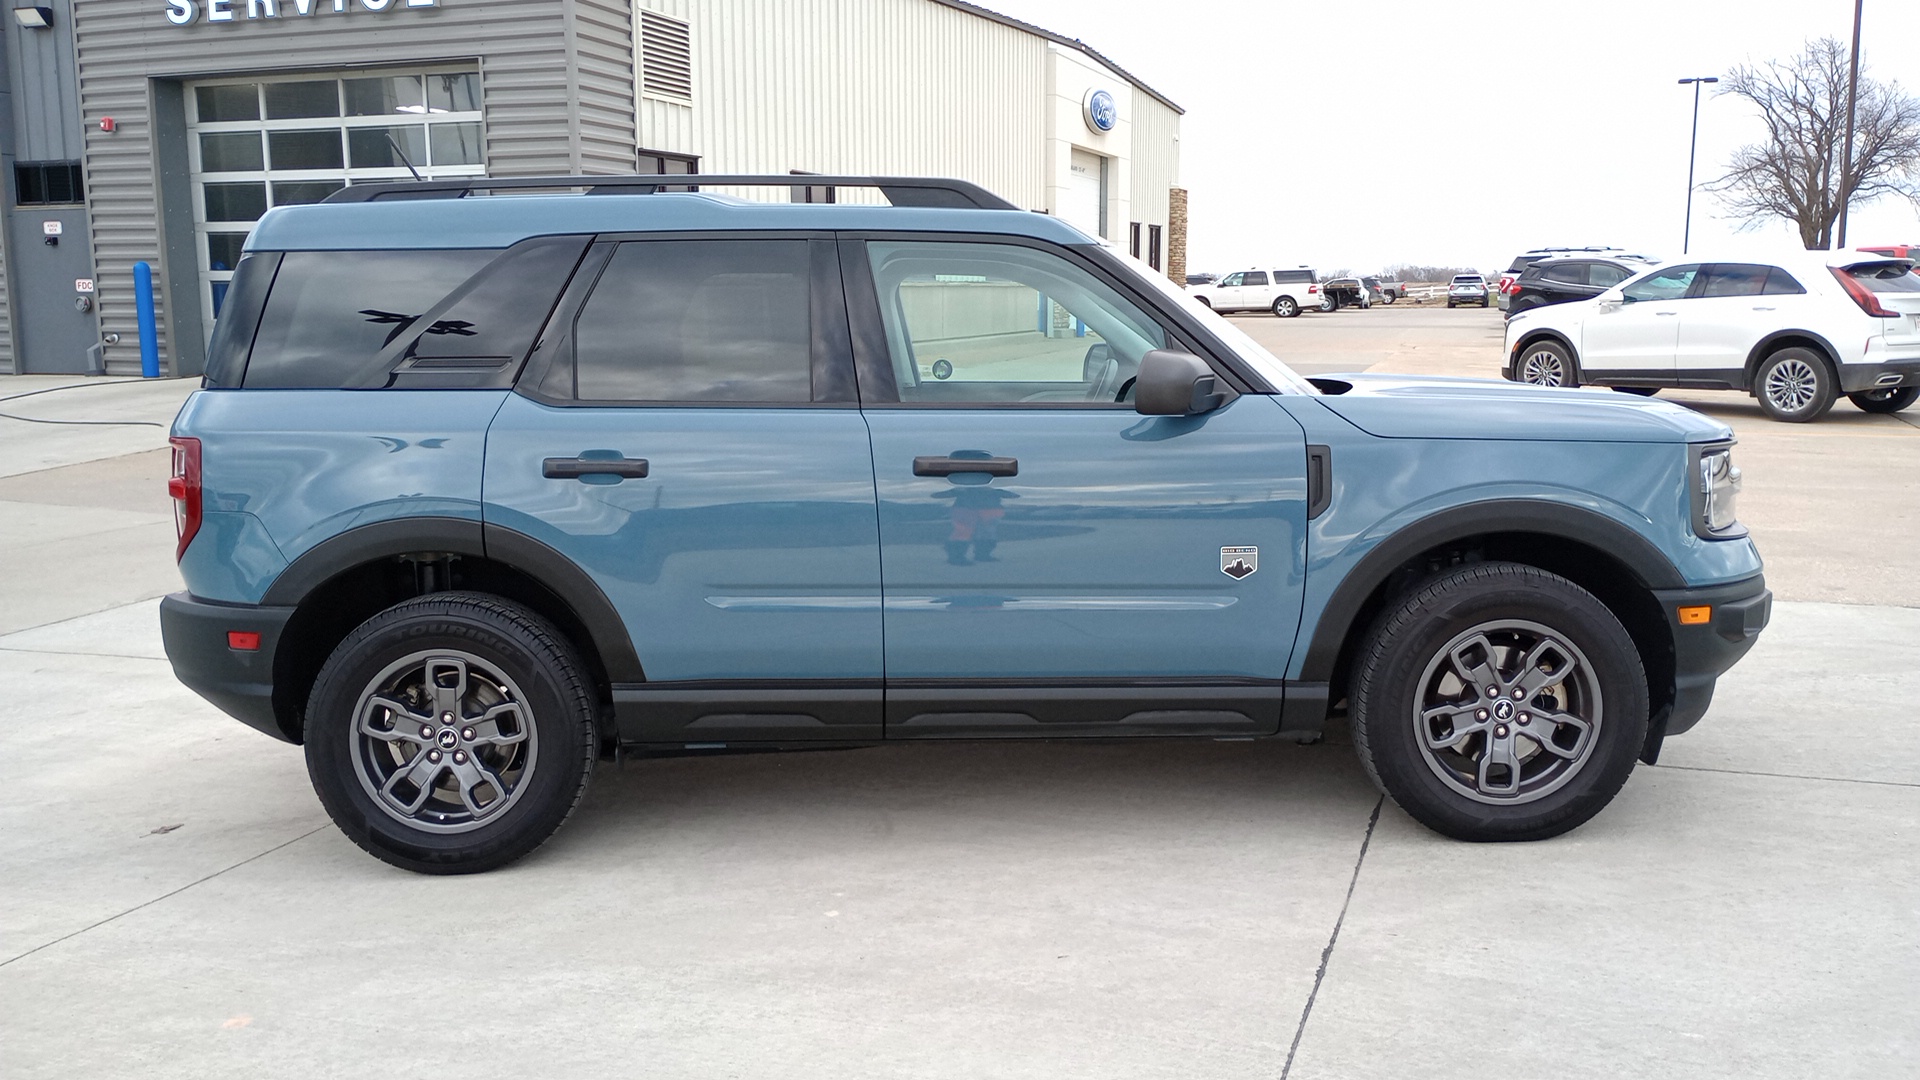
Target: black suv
[[1556, 281]]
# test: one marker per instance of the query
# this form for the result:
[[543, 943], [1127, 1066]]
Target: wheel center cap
[[1503, 710], [449, 738]]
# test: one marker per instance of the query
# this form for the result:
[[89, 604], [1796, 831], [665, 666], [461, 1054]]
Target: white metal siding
[[858, 86], [1156, 163]]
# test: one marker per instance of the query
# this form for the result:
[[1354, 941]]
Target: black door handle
[[947, 466], [573, 468]]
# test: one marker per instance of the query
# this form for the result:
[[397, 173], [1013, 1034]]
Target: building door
[[254, 144], [52, 271], [1085, 197]]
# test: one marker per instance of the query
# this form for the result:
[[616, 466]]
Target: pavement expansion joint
[[165, 895], [1326, 954], [1791, 776]]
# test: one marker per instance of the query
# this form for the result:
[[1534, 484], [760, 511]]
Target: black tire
[[1285, 307], [1388, 299], [1546, 363], [1327, 303], [485, 654], [1208, 304], [1795, 385], [1394, 681], [1483, 304], [1449, 305], [1890, 400]]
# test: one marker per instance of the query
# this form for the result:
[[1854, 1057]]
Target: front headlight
[[1717, 492]]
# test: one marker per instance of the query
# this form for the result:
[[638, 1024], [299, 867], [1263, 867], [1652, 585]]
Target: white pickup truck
[[1286, 293]]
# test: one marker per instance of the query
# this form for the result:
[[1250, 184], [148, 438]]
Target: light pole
[[1692, 142], [1846, 155]]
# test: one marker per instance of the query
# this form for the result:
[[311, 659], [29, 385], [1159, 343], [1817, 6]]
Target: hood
[[1437, 407]]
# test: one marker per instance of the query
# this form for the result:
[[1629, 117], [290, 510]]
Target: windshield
[[1268, 365]]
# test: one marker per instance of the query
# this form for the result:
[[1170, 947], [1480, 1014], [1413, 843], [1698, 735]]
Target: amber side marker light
[[1694, 616], [243, 640]]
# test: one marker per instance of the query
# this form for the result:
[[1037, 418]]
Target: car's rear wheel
[[1449, 305], [451, 733], [1890, 400], [1795, 385], [1499, 702], [1388, 299], [1546, 363], [1285, 307]]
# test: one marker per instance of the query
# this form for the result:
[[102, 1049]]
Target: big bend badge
[[1239, 562]]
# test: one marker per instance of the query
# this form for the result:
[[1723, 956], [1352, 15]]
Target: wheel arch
[[346, 579], [1534, 337], [1788, 339], [1619, 566]]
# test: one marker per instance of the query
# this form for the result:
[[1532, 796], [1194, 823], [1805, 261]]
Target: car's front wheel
[[1795, 385], [451, 733], [1285, 307], [1546, 363], [1499, 702], [1890, 400]]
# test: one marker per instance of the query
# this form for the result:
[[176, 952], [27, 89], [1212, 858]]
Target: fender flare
[[463, 536], [1765, 348], [1651, 569], [1512, 371]]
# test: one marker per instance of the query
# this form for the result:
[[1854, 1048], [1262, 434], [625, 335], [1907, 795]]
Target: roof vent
[[666, 57]]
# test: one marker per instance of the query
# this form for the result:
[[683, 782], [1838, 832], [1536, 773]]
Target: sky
[[1357, 134]]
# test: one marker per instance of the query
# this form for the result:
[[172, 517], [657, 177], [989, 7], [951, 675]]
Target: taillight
[[1311, 289], [183, 486], [1862, 295]]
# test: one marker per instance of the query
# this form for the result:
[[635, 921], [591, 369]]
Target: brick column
[[1177, 235]]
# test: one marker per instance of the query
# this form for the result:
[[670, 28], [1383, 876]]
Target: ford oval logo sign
[[1102, 112]]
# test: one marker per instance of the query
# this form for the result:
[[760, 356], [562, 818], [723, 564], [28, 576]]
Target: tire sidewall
[[1901, 398], [1285, 307], [562, 754], [1396, 759], [1568, 378]]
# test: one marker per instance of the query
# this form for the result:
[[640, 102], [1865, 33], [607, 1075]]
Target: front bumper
[[1857, 377], [1703, 651], [238, 681]]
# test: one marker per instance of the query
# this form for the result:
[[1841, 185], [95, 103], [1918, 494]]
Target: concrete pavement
[[174, 903]]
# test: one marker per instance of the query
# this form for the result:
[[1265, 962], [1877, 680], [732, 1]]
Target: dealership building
[[158, 131]]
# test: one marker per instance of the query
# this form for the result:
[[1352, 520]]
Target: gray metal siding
[[530, 79], [42, 62]]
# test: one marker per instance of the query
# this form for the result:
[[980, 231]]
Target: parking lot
[[174, 901]]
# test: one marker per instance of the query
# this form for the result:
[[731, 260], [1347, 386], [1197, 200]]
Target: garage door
[[1086, 194], [261, 143]]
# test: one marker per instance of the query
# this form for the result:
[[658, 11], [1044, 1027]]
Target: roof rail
[[899, 190]]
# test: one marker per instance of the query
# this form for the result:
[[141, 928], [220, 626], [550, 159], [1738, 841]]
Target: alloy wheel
[[1543, 368], [442, 741], [1507, 712], [1792, 385]]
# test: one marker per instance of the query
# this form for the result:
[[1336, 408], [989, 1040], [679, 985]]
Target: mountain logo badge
[[1239, 562]]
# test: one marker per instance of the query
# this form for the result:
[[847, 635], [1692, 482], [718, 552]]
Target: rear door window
[[1735, 279], [1607, 275], [1256, 277], [698, 321], [1566, 273], [1781, 283]]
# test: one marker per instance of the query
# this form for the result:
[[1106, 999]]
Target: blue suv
[[490, 478]]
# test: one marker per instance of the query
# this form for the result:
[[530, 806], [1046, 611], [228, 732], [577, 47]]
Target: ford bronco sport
[[483, 486]]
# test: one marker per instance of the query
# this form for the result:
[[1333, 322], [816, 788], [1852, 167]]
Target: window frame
[[873, 356], [831, 357]]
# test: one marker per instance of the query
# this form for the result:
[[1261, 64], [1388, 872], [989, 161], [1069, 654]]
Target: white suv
[[1796, 332], [1286, 293]]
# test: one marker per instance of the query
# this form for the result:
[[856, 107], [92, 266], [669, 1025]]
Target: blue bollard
[[143, 307]]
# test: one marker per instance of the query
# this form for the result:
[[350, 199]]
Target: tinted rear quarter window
[[331, 313], [1293, 277], [698, 321], [1735, 279]]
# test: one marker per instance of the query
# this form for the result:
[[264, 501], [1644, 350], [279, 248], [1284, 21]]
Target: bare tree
[[1796, 173]]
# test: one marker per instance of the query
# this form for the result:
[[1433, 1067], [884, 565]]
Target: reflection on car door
[[1227, 296], [1637, 337], [1256, 291], [1053, 562], [689, 436]]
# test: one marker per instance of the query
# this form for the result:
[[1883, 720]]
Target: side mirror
[[1610, 301], [1175, 384]]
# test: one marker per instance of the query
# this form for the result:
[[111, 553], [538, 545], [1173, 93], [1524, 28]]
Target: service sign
[[188, 12]]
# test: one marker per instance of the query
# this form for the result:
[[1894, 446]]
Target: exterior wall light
[[34, 18]]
